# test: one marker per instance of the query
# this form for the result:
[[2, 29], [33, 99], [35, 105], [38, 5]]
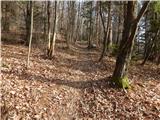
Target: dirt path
[[71, 86], [49, 89]]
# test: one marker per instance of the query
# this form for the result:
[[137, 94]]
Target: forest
[[80, 60]]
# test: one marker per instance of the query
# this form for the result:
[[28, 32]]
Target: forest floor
[[74, 85]]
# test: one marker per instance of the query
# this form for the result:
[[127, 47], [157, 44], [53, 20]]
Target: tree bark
[[90, 27], [148, 53], [45, 21], [28, 22], [130, 27], [30, 35], [62, 16], [72, 21], [78, 23], [158, 60], [54, 30], [105, 29], [118, 32], [6, 22], [52, 43], [97, 24], [49, 28], [68, 26]]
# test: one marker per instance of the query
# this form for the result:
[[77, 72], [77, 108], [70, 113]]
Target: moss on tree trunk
[[121, 82], [126, 46]]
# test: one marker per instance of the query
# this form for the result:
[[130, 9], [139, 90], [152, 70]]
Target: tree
[[125, 50], [71, 21], [106, 30], [28, 21], [30, 33], [90, 26], [150, 50], [52, 42], [49, 27], [5, 18], [119, 24], [97, 27], [152, 44], [45, 20], [78, 22], [9, 12], [61, 18], [87, 17], [54, 29]]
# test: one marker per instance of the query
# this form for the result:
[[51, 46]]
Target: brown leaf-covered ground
[[74, 85]]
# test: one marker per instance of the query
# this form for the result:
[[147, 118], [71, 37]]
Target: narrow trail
[[49, 88]]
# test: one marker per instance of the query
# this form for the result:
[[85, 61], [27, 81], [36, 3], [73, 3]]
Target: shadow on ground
[[81, 84]]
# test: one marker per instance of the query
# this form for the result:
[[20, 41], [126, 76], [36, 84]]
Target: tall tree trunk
[[105, 29], [52, 47], [97, 24], [55, 29], [49, 27], [72, 21], [90, 27], [109, 39], [45, 21], [130, 27], [68, 26], [118, 32], [78, 23], [6, 25], [148, 53], [28, 22], [62, 16], [146, 36], [30, 35], [158, 60]]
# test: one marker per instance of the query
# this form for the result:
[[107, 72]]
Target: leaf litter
[[74, 86]]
